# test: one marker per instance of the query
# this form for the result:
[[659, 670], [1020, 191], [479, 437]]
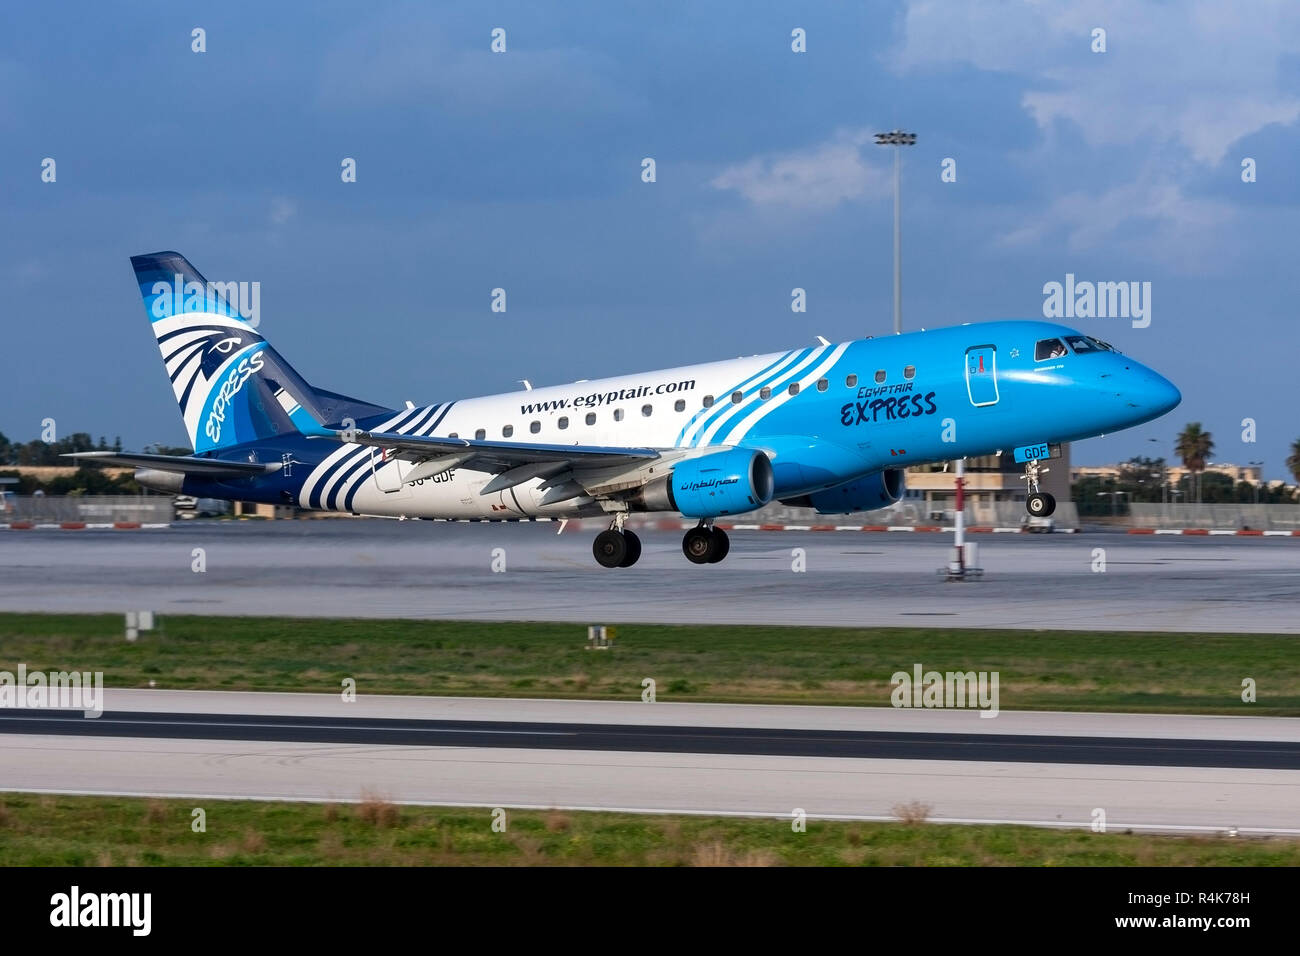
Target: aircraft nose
[[1154, 393]]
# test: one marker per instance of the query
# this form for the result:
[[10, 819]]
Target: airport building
[[1174, 474], [992, 483]]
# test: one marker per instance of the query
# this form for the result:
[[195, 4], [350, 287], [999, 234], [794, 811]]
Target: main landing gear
[[705, 544], [619, 548], [616, 548], [1039, 504]]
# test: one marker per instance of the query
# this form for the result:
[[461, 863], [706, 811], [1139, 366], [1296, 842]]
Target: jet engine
[[723, 483]]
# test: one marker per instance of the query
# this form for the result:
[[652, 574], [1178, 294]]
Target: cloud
[[393, 63], [282, 210], [820, 177], [1202, 75], [1155, 218]]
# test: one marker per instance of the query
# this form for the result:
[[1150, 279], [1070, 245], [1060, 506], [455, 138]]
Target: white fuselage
[[662, 410]]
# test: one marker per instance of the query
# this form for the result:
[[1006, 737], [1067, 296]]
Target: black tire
[[1051, 504], [721, 545], [697, 545], [633, 550], [610, 548], [1037, 505]]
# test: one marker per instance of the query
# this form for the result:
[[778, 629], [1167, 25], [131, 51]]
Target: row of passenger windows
[[764, 393]]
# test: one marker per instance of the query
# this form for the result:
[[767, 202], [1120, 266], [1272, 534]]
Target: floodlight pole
[[897, 139], [898, 241]]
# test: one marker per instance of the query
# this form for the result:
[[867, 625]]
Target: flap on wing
[[184, 464], [499, 455]]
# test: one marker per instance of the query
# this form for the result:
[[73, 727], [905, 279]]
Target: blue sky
[[522, 170]]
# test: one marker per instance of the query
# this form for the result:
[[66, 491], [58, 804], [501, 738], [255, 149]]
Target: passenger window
[[647, 410], [736, 397], [679, 405], [764, 393], [794, 388], [618, 414], [480, 434], [1049, 349], [591, 418], [563, 422], [708, 401], [881, 375], [822, 384], [535, 427], [851, 381], [454, 435], [508, 431], [909, 372]]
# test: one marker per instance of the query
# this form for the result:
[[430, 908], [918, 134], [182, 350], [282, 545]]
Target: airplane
[[829, 427]]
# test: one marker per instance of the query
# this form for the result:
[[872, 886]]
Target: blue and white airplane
[[829, 427]]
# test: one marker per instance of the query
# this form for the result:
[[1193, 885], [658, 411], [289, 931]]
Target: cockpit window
[[1049, 349], [1086, 344]]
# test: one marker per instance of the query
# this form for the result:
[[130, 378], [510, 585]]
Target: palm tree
[[1194, 447], [1293, 461]]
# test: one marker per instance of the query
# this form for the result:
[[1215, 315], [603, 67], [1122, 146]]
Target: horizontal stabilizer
[[182, 464]]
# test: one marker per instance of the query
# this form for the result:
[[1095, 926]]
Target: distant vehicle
[[1039, 525], [189, 506], [827, 427]]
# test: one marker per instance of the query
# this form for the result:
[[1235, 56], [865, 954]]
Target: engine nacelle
[[862, 494], [724, 483], [169, 482]]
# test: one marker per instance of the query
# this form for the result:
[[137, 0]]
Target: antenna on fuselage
[[822, 339], [528, 386]]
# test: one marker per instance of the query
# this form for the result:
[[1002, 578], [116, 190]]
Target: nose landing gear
[[1039, 504], [705, 544], [616, 548]]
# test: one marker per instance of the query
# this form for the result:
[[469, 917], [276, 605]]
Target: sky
[[523, 170]]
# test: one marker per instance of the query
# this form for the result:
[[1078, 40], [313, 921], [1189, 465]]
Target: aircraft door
[[981, 374]]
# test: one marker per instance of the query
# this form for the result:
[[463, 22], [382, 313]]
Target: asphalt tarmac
[[526, 571]]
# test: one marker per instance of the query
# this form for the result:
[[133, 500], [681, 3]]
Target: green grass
[[119, 831], [1076, 670]]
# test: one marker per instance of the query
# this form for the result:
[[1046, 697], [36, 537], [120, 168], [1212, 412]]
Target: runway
[[418, 569], [1145, 771], [633, 738]]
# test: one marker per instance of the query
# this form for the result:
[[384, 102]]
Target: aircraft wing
[[566, 470], [182, 464]]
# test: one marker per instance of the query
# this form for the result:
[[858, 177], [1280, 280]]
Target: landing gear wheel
[[705, 545], [611, 548], [633, 549], [1040, 505], [721, 545], [698, 546]]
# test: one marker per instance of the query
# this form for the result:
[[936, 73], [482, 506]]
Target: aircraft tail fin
[[231, 385]]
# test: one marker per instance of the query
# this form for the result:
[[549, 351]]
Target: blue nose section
[[1155, 394]]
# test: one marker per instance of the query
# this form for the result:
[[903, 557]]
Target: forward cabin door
[[982, 374]]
